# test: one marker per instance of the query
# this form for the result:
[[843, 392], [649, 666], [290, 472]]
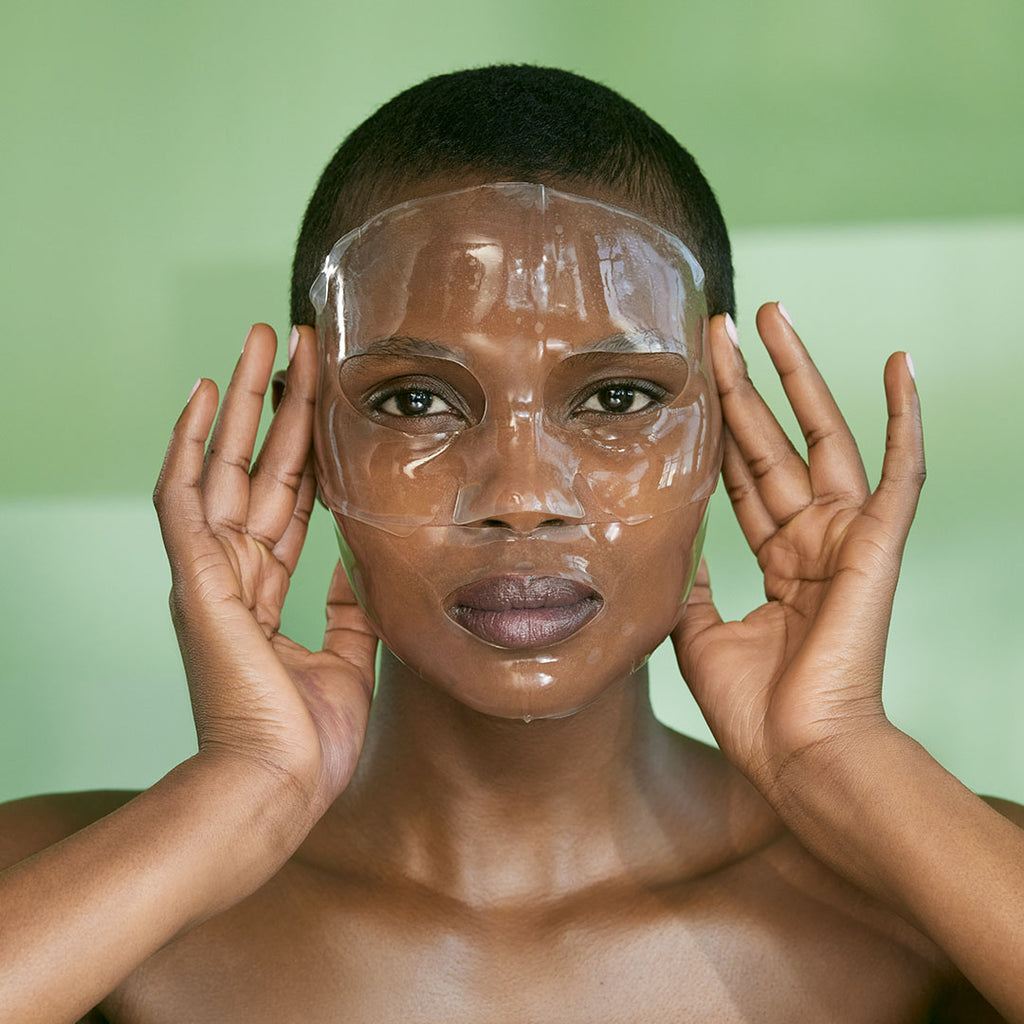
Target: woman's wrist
[[269, 807], [852, 800]]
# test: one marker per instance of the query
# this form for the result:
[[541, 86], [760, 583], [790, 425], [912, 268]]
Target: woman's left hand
[[805, 668]]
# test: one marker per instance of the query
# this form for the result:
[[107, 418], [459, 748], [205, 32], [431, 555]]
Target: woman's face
[[517, 434]]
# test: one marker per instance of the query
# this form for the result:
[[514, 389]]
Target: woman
[[518, 402]]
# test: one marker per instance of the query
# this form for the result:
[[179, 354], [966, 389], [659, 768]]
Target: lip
[[519, 612]]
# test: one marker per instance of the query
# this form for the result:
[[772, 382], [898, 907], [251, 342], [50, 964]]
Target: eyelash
[[649, 389], [378, 399]]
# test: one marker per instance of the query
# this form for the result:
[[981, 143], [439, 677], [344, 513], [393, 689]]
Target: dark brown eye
[[618, 398], [414, 402]]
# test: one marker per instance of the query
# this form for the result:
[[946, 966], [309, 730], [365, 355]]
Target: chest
[[671, 956]]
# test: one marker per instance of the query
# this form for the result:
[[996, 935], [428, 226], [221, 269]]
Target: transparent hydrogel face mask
[[512, 358]]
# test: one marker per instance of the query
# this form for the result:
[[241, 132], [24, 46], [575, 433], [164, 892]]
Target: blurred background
[[156, 162]]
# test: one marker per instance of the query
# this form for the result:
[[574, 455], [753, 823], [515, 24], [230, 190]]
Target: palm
[[233, 538], [807, 663], [311, 711]]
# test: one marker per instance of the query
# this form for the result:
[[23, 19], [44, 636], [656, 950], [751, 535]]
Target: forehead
[[515, 261]]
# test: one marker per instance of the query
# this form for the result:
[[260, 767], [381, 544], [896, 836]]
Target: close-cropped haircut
[[514, 123]]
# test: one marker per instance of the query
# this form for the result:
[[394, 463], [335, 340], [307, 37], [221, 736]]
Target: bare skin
[[315, 862]]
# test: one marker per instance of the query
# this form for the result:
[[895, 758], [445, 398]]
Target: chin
[[549, 685]]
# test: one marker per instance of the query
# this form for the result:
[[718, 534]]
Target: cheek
[[389, 575], [653, 571]]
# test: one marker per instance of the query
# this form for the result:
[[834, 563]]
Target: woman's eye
[[618, 398], [414, 402]]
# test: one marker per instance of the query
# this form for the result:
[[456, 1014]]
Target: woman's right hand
[[233, 536]]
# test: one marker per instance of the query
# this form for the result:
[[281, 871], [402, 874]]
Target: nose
[[520, 478]]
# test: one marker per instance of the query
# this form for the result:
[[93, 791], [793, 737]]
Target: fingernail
[[730, 329], [293, 343], [785, 313], [195, 388], [248, 335], [910, 365]]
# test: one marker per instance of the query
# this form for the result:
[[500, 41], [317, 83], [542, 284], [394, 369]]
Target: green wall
[[156, 162]]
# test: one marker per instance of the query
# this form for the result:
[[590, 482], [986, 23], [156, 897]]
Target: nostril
[[502, 524]]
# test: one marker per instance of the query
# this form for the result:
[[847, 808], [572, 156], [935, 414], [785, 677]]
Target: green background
[[156, 162]]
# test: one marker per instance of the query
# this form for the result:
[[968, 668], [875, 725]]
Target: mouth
[[519, 612]]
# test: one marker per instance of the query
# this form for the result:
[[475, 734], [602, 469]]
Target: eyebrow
[[402, 345], [624, 341], [630, 341]]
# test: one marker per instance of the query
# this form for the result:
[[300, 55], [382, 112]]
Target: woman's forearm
[[887, 816], [80, 915]]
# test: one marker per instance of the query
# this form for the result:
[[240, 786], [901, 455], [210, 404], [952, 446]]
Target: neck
[[461, 754], [492, 810]]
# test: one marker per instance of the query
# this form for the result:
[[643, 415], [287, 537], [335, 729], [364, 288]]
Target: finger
[[225, 480], [700, 612], [348, 633], [756, 522], [894, 500], [860, 599], [177, 495], [700, 604], [274, 492], [779, 473], [289, 547], [699, 615], [836, 468]]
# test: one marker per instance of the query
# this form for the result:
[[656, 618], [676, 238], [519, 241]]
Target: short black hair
[[514, 123]]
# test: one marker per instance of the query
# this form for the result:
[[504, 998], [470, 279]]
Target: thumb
[[699, 616], [349, 634]]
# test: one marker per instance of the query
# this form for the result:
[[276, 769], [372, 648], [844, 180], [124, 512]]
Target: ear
[[277, 389]]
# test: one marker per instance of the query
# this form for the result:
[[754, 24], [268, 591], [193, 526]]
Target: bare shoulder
[[1007, 808], [36, 822]]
